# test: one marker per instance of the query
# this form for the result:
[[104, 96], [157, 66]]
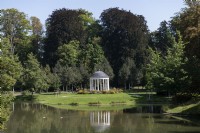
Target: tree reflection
[[38, 118]]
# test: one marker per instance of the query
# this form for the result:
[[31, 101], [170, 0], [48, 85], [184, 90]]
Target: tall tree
[[187, 21], [36, 37], [34, 78], [63, 26], [126, 71], [161, 39], [124, 35], [14, 25], [10, 67], [168, 73]]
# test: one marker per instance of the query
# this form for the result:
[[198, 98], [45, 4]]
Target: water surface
[[37, 118]]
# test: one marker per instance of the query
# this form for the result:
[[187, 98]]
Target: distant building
[[99, 81]]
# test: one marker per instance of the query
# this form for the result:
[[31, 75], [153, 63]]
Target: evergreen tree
[[10, 67], [34, 78], [168, 73]]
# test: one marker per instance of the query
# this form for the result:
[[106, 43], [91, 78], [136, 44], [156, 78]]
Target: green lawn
[[85, 99], [76, 101], [88, 101]]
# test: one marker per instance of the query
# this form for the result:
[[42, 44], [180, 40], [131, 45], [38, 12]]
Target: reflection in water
[[146, 109], [100, 120], [38, 118]]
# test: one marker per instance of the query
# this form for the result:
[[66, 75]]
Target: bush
[[94, 103], [180, 98], [73, 104], [26, 93], [83, 92], [94, 92], [111, 91]]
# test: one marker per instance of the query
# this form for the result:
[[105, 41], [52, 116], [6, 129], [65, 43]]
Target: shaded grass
[[150, 98], [25, 98]]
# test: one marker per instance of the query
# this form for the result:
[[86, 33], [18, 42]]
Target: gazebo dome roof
[[99, 74]]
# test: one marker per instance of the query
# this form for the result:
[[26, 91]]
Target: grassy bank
[[75, 101], [87, 101], [186, 109], [82, 99]]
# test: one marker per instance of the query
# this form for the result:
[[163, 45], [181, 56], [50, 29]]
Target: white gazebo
[[99, 81]]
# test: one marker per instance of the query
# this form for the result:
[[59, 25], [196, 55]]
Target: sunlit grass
[[86, 99], [186, 109]]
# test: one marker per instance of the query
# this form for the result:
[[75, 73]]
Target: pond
[[38, 118]]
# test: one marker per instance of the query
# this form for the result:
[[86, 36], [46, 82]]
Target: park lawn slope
[[186, 109], [87, 101]]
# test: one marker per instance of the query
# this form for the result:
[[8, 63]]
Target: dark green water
[[37, 118]]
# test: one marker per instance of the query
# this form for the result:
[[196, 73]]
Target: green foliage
[[5, 101], [26, 93], [187, 22], [34, 78], [111, 91], [69, 53], [63, 26], [84, 91], [181, 98], [36, 39], [10, 67], [125, 73], [124, 35], [161, 39], [14, 26], [168, 73]]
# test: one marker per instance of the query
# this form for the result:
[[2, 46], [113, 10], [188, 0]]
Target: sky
[[154, 11]]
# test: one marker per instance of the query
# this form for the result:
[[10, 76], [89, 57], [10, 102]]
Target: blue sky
[[154, 11]]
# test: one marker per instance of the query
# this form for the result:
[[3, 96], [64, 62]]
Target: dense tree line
[[75, 45]]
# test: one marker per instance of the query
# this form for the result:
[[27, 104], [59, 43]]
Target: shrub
[[83, 92], [74, 104], [180, 98], [94, 103], [94, 92], [111, 91], [119, 102], [26, 93]]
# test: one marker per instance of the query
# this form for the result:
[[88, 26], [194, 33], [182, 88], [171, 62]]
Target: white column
[[104, 118], [90, 84], [98, 84], [108, 84], [95, 84], [109, 118], [98, 117], [103, 85]]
